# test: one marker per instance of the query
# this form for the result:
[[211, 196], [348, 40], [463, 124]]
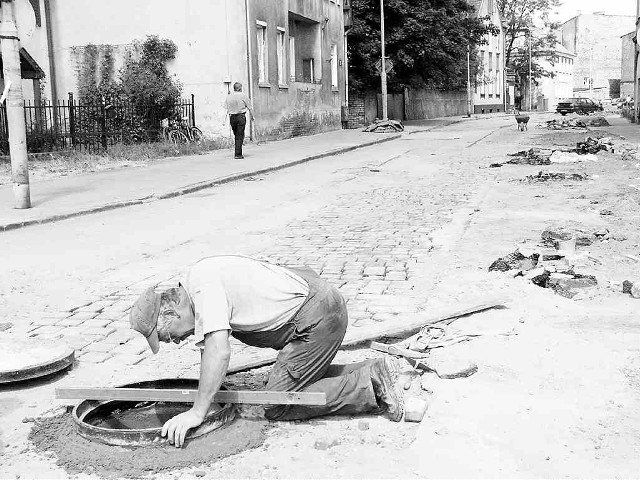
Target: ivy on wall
[[143, 79]]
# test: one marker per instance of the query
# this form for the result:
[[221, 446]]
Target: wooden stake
[[189, 396]]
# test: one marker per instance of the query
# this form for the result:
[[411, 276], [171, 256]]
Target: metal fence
[[93, 127]]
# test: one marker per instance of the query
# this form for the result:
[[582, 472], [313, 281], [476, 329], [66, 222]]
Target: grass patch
[[74, 162]]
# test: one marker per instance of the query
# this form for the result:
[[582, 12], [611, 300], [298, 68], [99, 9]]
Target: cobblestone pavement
[[372, 242]]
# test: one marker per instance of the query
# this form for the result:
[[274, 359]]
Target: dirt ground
[[557, 392]]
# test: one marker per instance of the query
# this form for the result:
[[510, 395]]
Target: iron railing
[[93, 127]]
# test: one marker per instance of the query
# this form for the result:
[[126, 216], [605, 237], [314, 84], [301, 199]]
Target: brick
[[374, 271], [69, 322], [47, 330], [94, 357], [127, 358], [130, 349], [99, 346], [96, 323], [83, 316], [44, 321], [76, 342]]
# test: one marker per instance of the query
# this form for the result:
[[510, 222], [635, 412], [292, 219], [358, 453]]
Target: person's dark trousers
[[238, 122], [308, 344]]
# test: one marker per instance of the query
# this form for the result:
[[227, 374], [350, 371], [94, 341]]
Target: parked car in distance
[[578, 105]]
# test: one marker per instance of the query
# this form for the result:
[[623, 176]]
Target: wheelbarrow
[[522, 121]]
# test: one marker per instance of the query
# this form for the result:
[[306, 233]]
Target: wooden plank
[[405, 329], [188, 396], [414, 324]]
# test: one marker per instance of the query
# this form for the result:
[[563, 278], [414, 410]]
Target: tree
[[524, 21], [425, 39]]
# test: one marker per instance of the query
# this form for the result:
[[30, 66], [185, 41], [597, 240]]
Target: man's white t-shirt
[[241, 294]]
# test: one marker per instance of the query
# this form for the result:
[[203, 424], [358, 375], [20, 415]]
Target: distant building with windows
[[595, 40], [288, 54], [489, 92], [559, 86]]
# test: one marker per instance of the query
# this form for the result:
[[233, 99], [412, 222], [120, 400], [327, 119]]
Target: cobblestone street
[[404, 229]]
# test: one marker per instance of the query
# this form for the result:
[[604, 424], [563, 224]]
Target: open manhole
[[29, 359], [132, 423]]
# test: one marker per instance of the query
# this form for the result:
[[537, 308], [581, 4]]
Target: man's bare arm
[[214, 362]]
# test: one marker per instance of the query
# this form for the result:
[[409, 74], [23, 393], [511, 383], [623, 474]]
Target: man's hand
[[176, 428]]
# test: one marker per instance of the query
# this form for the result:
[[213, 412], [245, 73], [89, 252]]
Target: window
[[334, 66], [308, 74], [282, 58], [491, 79], [262, 51], [498, 76], [292, 58]]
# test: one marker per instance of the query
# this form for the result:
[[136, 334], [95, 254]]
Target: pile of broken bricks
[[554, 263]]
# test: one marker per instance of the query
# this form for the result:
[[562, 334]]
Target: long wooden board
[[187, 396], [405, 329]]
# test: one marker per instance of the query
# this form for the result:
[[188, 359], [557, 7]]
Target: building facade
[[489, 92], [559, 85], [627, 65], [288, 54], [595, 40]]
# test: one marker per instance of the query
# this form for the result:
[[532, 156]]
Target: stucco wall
[[210, 35], [422, 104], [595, 39], [628, 53], [298, 108]]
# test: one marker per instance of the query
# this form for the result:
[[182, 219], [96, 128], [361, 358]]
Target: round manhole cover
[[132, 423], [24, 359]]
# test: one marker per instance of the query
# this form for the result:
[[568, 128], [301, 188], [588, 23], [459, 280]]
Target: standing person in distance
[[237, 105]]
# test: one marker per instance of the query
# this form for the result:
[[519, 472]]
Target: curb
[[191, 188]]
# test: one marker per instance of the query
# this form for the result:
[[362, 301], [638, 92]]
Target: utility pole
[[469, 80], [530, 79], [15, 105], [383, 65]]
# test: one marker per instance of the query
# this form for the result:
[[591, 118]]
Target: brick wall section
[[356, 111]]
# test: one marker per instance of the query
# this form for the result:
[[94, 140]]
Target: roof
[[559, 48]]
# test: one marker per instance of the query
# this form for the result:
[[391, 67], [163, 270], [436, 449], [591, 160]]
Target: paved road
[[362, 219], [388, 225]]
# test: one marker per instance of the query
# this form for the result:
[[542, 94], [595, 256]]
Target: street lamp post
[[383, 66], [530, 79], [469, 80]]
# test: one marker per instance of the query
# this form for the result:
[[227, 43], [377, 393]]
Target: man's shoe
[[239, 157], [386, 386]]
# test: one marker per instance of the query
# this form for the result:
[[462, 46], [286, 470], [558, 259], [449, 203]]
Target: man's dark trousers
[[238, 122], [308, 344]]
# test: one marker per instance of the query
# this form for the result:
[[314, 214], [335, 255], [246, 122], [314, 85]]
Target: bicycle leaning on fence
[[180, 131]]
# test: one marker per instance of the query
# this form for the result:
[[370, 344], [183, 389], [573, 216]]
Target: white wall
[[210, 35]]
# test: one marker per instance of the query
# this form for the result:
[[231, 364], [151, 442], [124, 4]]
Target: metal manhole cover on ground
[[133, 423], [24, 359]]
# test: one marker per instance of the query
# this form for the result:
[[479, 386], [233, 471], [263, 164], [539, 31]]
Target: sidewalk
[[66, 197]]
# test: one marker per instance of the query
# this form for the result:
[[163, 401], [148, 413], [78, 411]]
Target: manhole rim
[[39, 370], [144, 436]]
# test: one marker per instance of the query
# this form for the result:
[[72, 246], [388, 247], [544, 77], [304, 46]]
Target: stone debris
[[631, 288], [384, 126], [567, 123], [561, 124], [543, 176], [595, 145], [555, 269], [566, 283], [533, 156], [515, 261]]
